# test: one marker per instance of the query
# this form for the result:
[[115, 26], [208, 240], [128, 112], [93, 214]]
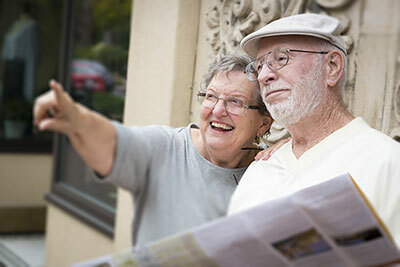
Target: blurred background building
[[140, 62]]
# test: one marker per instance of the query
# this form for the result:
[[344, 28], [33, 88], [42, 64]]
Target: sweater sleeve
[[137, 151]]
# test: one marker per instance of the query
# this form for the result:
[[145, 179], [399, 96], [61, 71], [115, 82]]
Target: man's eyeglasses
[[275, 60], [232, 105]]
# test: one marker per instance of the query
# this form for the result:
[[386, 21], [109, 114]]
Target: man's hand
[[56, 111], [266, 153]]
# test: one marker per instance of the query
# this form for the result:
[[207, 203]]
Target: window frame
[[61, 195], [26, 145]]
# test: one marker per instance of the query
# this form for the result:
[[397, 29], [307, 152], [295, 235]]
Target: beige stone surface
[[123, 221], [24, 179], [161, 61], [69, 241]]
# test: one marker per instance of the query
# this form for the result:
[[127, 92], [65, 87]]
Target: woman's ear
[[335, 67], [266, 125]]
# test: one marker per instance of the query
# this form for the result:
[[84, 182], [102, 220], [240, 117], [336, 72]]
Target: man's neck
[[312, 129]]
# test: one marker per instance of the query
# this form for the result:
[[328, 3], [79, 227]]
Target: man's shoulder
[[371, 147], [361, 133], [380, 141], [262, 166]]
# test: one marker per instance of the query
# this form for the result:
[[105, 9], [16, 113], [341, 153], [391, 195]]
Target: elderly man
[[301, 67]]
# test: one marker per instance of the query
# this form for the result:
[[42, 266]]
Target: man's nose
[[266, 75], [220, 108]]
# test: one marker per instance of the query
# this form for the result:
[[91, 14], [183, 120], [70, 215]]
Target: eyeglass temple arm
[[253, 107]]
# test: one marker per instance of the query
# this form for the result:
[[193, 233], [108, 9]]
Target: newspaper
[[329, 224]]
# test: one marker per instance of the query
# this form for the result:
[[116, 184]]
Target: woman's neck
[[226, 158]]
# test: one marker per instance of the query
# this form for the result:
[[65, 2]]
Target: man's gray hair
[[229, 63], [323, 45]]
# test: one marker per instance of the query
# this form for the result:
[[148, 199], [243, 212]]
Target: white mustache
[[272, 87]]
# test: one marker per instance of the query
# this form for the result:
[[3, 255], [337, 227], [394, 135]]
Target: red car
[[90, 75]]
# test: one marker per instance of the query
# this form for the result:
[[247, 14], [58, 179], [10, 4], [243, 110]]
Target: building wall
[[173, 41], [24, 179], [69, 241]]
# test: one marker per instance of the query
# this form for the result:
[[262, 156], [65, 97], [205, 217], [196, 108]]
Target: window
[[30, 47], [96, 55]]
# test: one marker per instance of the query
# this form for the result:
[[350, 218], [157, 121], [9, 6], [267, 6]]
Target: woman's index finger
[[58, 90]]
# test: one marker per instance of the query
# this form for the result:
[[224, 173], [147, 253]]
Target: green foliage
[[113, 15], [114, 57], [83, 52], [110, 54], [110, 32], [108, 104]]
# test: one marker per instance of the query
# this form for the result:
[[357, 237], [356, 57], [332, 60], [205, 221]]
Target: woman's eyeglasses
[[233, 105]]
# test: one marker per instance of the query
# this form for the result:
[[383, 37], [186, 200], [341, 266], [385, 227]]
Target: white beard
[[305, 96]]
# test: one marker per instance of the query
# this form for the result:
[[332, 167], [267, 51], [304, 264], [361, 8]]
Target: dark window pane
[[75, 175], [30, 40]]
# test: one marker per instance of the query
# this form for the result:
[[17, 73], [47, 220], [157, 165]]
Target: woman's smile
[[219, 126]]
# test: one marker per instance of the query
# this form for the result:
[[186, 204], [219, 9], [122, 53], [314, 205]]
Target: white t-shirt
[[371, 157]]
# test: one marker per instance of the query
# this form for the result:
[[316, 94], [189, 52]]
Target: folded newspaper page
[[329, 224]]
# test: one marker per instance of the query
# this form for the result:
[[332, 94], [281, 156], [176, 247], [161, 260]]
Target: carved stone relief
[[229, 21], [395, 132]]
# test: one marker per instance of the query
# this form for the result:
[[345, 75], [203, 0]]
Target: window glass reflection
[[29, 58], [97, 79], [100, 55]]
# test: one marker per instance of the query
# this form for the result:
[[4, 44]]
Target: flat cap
[[315, 25]]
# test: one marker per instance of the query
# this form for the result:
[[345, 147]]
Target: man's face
[[293, 92]]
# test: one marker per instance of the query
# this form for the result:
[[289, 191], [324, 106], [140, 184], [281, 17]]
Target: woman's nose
[[220, 108]]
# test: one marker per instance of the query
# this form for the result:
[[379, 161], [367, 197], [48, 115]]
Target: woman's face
[[221, 130]]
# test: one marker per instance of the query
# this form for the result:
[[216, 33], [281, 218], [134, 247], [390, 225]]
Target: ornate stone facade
[[229, 21], [395, 101]]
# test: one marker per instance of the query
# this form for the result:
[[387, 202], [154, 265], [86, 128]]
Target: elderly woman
[[179, 177]]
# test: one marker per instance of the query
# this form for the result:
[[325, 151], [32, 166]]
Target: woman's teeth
[[221, 126]]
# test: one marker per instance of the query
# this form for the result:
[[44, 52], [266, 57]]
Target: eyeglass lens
[[232, 105], [275, 60]]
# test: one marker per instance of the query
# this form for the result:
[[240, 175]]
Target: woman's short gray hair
[[229, 63]]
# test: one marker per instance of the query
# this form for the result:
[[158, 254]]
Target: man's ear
[[267, 121], [335, 67]]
